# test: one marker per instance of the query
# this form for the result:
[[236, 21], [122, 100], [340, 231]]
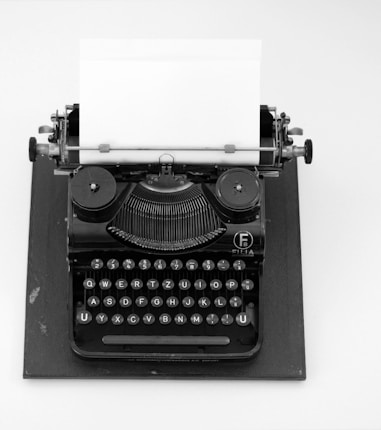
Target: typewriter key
[[238, 189], [180, 319], [160, 264], [191, 265], [196, 319], [227, 319], [188, 302], [121, 284], [128, 264], [148, 319], [105, 284], [165, 319], [125, 302], [247, 284], [172, 302], [156, 301], [144, 264], [101, 318], [93, 301], [141, 301], [152, 284], [235, 302], [200, 284], [212, 319], [117, 319], [204, 302], [84, 317], [96, 264], [133, 319], [220, 302], [89, 283], [242, 319], [109, 301], [93, 187]]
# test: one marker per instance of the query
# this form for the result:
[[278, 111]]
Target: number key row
[[160, 264]]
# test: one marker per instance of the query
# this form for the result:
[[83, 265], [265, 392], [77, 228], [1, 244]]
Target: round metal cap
[[93, 187], [238, 189]]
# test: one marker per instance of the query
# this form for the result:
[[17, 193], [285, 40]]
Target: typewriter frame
[[271, 165]]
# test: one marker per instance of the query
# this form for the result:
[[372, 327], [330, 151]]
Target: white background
[[321, 64]]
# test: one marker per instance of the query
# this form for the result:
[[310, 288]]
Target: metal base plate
[[47, 349]]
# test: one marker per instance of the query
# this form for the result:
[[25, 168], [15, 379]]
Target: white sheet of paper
[[162, 95]]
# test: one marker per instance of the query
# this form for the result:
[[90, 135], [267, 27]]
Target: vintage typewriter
[[165, 260]]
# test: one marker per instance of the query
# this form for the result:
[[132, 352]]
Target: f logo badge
[[243, 240]]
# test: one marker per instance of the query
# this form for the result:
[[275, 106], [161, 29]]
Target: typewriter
[[165, 260]]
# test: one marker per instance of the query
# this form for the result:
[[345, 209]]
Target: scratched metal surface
[[47, 351]]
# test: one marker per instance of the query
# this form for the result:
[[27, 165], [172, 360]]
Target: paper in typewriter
[[186, 98]]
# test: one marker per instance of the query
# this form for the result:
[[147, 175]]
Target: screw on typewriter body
[[94, 187]]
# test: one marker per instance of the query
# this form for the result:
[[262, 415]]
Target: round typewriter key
[[204, 302], [93, 301], [84, 317], [208, 265], [101, 318], [136, 284], [144, 264], [247, 284], [242, 319], [219, 302], [180, 319], [176, 264], [239, 265], [215, 284], [184, 284], [112, 264], [227, 319], [223, 265], [109, 301], [125, 302], [231, 284], [96, 264], [152, 284], [121, 284], [212, 319], [105, 284], [200, 284], [89, 283], [172, 302], [160, 264], [117, 319], [191, 265], [148, 319], [165, 319], [235, 302], [168, 284], [133, 319], [128, 264], [156, 301], [141, 301], [196, 319], [188, 302]]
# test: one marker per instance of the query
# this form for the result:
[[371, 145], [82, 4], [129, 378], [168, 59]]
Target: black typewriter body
[[165, 261]]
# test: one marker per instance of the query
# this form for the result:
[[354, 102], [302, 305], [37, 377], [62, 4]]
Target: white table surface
[[321, 64]]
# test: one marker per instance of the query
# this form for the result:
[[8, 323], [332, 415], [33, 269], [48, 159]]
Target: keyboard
[[139, 305]]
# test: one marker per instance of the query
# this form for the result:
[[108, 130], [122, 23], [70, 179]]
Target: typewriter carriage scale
[[165, 260]]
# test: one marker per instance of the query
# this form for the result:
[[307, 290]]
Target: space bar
[[166, 340]]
